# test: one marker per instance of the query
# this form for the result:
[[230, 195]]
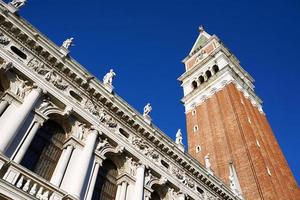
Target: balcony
[[17, 182]]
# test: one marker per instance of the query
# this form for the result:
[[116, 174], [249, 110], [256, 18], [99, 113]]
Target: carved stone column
[[61, 166], [93, 180], [123, 190], [27, 141], [15, 121], [79, 171], [3, 105], [118, 192], [139, 183]]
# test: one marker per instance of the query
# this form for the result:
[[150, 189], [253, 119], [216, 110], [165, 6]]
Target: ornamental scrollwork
[[145, 148], [49, 74], [4, 40]]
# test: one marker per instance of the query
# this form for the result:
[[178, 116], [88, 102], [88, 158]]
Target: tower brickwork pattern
[[226, 122]]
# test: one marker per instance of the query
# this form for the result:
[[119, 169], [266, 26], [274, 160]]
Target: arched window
[[215, 68], [106, 182], [201, 79], [198, 149], [208, 74], [45, 150], [194, 84]]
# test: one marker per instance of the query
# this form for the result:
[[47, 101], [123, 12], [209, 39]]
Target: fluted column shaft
[[123, 191], [118, 192], [93, 181], [139, 184], [61, 166], [15, 121], [21, 152], [80, 169]]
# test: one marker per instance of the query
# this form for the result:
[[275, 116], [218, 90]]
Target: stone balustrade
[[28, 184]]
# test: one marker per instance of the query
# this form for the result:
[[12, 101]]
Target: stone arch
[[45, 149], [106, 181]]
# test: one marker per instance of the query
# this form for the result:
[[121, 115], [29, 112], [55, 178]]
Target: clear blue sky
[[145, 41]]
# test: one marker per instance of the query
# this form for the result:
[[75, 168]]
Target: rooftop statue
[[178, 137], [147, 110], [68, 43], [18, 3], [108, 78]]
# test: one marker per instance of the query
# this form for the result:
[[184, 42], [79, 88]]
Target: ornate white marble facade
[[97, 130]]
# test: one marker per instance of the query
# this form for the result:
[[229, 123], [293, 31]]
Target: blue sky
[[145, 41]]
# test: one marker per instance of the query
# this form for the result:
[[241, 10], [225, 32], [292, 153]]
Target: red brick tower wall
[[232, 129]]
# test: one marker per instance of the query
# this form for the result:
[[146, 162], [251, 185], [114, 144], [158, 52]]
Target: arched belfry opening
[[45, 150], [106, 182]]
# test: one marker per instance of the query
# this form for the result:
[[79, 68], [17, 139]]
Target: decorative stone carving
[[172, 194], [68, 43], [90, 106], [208, 164], [178, 174], [45, 104], [108, 78], [147, 110], [4, 40], [7, 65], [22, 88], [179, 140], [80, 131], [49, 74], [149, 178], [18, 3], [101, 144], [146, 149]]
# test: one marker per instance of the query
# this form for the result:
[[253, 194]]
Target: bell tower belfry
[[227, 126]]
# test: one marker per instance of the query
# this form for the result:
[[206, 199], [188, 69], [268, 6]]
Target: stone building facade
[[66, 135], [226, 123]]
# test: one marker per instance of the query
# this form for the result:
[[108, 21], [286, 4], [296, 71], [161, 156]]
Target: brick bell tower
[[227, 129]]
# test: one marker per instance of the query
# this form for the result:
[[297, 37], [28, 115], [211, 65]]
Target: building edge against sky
[[226, 123], [66, 135]]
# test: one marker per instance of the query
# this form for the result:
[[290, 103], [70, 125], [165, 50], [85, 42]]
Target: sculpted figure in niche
[[68, 43], [108, 78], [147, 110], [101, 144], [4, 40], [18, 3], [46, 103], [80, 131]]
